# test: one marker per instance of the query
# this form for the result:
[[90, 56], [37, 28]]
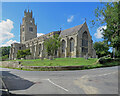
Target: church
[[75, 41]]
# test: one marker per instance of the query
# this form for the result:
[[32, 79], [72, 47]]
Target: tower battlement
[[28, 29], [27, 13]]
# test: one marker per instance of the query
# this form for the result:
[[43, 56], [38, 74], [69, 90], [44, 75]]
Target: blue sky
[[49, 16]]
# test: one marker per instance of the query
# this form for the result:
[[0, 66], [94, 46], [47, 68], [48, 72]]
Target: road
[[94, 81]]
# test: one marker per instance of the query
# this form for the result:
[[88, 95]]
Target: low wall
[[13, 64], [54, 67], [17, 64]]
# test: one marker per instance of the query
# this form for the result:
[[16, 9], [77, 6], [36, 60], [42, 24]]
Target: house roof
[[71, 31]]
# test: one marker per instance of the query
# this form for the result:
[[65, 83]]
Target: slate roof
[[71, 31], [63, 33]]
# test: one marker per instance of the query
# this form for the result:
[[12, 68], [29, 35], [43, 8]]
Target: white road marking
[[56, 85], [3, 89], [6, 89]]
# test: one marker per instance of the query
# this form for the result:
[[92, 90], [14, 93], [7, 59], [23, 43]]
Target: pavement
[[93, 81]]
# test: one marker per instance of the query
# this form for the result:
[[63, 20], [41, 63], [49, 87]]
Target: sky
[[49, 16]]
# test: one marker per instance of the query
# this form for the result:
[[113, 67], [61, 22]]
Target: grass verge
[[59, 62], [85, 64], [115, 63]]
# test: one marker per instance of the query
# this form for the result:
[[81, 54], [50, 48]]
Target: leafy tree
[[52, 44], [23, 53], [101, 49], [109, 15], [5, 51]]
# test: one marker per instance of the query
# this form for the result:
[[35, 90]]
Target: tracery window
[[71, 44], [63, 46], [85, 42], [84, 50], [39, 49]]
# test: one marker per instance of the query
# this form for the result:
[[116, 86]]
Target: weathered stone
[[12, 64]]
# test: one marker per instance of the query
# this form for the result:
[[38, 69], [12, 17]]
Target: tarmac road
[[94, 81]]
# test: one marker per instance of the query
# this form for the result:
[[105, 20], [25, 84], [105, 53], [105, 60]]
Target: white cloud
[[39, 34], [99, 32], [8, 43], [5, 30], [70, 19]]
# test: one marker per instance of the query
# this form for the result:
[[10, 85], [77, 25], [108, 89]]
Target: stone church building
[[75, 41]]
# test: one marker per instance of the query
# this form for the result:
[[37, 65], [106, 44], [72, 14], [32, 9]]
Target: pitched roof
[[71, 31]]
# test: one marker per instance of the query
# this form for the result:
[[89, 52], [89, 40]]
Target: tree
[[52, 44], [5, 51], [109, 15], [101, 49], [23, 53]]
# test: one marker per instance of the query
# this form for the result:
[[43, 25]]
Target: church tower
[[28, 29]]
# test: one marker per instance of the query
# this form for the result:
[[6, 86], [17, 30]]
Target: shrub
[[4, 58], [23, 53]]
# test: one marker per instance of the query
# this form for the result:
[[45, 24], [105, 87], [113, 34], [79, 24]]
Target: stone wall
[[11, 64]]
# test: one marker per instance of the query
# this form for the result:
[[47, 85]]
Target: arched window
[[39, 49], [85, 42], [63, 46], [71, 44]]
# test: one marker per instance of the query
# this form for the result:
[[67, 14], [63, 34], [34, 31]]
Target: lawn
[[87, 64], [59, 62]]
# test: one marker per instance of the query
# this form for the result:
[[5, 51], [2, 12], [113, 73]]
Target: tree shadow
[[14, 82]]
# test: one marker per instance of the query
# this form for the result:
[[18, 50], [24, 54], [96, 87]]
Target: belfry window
[[30, 29], [23, 29]]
